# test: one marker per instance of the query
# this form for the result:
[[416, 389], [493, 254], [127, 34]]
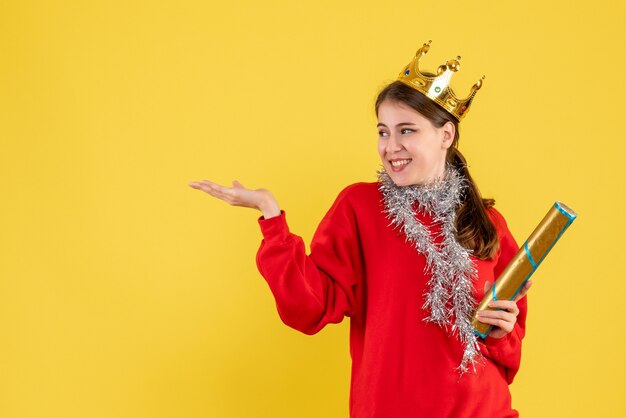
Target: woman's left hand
[[504, 317]]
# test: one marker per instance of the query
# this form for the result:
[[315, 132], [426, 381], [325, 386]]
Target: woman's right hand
[[238, 195]]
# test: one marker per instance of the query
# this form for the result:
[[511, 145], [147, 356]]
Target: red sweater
[[362, 268]]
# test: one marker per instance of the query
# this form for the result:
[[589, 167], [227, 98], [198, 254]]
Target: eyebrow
[[400, 124]]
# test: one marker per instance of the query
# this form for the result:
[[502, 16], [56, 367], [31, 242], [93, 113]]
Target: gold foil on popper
[[526, 261]]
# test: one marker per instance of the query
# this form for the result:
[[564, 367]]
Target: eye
[[406, 129], [382, 134]]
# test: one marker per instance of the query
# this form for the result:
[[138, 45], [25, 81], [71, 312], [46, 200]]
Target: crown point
[[478, 84], [453, 65]]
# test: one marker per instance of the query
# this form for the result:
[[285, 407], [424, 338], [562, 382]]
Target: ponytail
[[474, 229]]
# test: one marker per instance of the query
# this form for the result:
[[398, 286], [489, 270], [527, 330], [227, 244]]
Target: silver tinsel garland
[[448, 297]]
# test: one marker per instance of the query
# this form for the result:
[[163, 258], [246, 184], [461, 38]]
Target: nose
[[393, 145]]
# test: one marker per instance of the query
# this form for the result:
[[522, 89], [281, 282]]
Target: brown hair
[[474, 229]]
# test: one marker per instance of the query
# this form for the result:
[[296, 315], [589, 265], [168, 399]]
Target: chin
[[399, 180], [404, 180]]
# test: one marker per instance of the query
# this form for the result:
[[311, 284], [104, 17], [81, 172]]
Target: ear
[[447, 134]]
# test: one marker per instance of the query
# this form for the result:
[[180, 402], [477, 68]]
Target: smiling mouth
[[400, 163]]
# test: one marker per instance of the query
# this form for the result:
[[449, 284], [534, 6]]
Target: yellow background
[[125, 293]]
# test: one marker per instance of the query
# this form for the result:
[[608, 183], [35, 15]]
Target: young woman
[[407, 258]]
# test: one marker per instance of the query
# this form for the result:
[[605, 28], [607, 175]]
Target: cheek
[[381, 149], [416, 153], [426, 154]]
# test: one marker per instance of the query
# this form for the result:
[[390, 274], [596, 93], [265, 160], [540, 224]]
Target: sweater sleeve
[[506, 351], [316, 289]]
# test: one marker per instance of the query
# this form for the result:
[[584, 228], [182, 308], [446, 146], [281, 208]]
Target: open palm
[[239, 195]]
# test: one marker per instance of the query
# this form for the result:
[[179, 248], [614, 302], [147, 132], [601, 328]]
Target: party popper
[[526, 261]]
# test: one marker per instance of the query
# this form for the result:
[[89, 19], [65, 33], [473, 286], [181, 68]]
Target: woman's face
[[411, 148]]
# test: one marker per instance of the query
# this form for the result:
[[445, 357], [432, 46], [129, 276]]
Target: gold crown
[[437, 88]]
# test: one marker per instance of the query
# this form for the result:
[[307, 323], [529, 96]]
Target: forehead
[[393, 112]]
